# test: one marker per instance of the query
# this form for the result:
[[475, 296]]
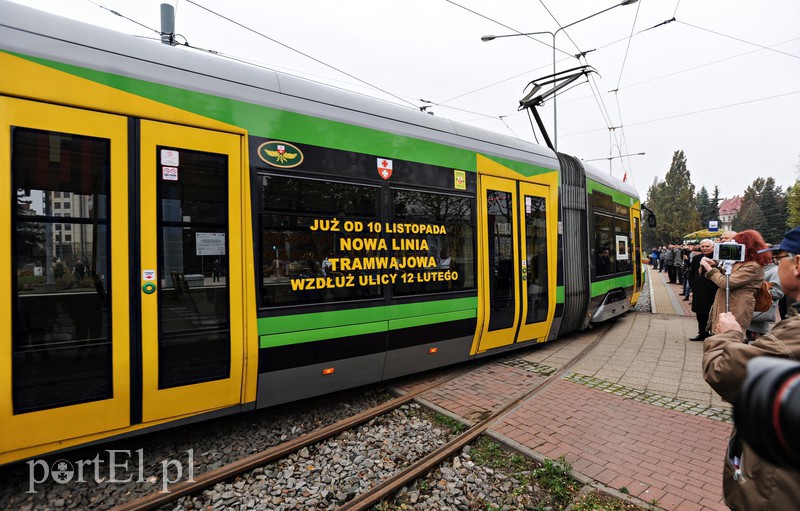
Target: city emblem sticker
[[280, 154], [385, 168], [460, 179]]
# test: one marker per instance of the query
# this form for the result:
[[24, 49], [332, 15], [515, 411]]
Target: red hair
[[753, 242]]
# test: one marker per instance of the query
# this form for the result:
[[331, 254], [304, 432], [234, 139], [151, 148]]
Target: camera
[[767, 412], [732, 252]]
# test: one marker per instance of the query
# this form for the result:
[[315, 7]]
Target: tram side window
[[316, 245], [613, 247], [624, 245], [536, 250], [604, 252], [429, 262], [61, 323]]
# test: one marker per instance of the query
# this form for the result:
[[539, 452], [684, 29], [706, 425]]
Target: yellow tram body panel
[[93, 109]]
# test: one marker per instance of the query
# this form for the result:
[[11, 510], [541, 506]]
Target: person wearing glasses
[[743, 282], [748, 481]]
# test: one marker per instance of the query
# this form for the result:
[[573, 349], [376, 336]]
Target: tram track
[[393, 485], [387, 487], [230, 470]]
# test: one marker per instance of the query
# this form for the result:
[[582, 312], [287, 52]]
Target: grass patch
[[450, 423], [598, 501]]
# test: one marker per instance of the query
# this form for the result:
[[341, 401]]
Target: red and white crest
[[385, 168]]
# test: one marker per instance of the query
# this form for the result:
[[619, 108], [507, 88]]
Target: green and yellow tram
[[190, 237]]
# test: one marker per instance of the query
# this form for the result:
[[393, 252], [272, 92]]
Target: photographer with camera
[[742, 278], [749, 482]]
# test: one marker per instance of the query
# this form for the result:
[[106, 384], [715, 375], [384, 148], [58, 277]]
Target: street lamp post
[[487, 38]]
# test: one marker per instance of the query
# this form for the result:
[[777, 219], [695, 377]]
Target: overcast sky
[[721, 82]]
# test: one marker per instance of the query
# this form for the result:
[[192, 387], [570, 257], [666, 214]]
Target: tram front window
[[61, 321]]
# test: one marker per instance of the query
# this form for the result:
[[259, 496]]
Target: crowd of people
[[723, 297], [710, 287]]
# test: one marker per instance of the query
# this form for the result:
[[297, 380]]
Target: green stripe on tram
[[300, 328], [604, 286], [616, 195], [274, 123]]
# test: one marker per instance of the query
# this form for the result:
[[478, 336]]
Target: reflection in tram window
[[500, 225], [60, 254], [622, 236], [193, 315], [453, 252], [603, 261], [536, 249], [315, 244], [612, 237]]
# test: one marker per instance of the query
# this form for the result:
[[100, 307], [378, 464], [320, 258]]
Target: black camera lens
[[767, 413]]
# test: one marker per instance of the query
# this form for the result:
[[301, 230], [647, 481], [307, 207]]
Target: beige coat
[[764, 486], [744, 281]]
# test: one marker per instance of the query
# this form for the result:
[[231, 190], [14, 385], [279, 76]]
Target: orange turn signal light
[[432, 351], [327, 371]]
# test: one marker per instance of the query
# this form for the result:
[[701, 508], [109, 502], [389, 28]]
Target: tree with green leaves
[[793, 205], [674, 203], [764, 209], [707, 207]]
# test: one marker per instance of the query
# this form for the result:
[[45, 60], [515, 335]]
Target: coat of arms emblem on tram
[[385, 168], [280, 154]]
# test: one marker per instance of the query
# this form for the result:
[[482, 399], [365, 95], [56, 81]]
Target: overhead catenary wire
[[740, 40], [695, 112], [628, 47], [503, 25], [598, 97], [112, 11], [306, 55], [503, 118], [707, 64]]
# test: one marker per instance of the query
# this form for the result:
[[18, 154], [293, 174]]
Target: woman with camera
[[751, 480], [736, 293]]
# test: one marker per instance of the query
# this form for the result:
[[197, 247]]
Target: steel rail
[[380, 492], [212, 477], [395, 483]]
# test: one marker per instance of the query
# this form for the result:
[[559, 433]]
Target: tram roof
[[77, 43], [607, 179]]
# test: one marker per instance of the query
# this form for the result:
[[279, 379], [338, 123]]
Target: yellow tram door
[[636, 251], [65, 369], [191, 270], [518, 272], [538, 242]]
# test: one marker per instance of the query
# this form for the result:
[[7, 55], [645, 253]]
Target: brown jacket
[[745, 279], [764, 486]]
